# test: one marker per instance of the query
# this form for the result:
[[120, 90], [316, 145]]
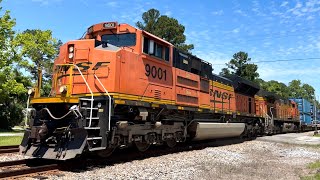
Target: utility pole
[[315, 115]]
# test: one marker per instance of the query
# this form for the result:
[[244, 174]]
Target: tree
[[309, 91], [11, 85], [150, 19], [240, 65], [297, 89], [276, 87], [166, 28], [41, 48]]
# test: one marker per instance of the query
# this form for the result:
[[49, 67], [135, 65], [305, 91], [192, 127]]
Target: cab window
[[120, 40], [153, 48]]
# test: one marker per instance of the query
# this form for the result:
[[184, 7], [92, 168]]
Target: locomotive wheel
[[171, 143], [142, 146], [105, 153]]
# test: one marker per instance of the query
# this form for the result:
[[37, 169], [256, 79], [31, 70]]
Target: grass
[[317, 135], [316, 167], [10, 140], [13, 130], [314, 177]]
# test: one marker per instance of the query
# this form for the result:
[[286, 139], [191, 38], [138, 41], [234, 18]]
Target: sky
[[268, 30]]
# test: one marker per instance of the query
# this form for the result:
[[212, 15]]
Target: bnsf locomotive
[[120, 86]]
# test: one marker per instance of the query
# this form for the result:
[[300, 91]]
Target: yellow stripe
[[259, 98], [119, 101], [222, 86], [155, 105], [135, 98], [119, 96], [205, 106], [42, 100]]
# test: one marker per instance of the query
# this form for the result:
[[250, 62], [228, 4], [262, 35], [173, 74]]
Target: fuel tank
[[205, 130]]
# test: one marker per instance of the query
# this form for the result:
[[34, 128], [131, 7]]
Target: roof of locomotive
[[221, 79], [115, 25], [243, 86], [268, 94]]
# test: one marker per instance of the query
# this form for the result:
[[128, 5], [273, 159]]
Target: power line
[[279, 60], [282, 60]]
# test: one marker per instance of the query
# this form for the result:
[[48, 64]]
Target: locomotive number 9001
[[155, 72]]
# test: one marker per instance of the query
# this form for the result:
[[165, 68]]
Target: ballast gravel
[[247, 160], [11, 157]]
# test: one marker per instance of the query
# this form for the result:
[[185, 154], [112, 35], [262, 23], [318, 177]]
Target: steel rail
[[27, 170], [9, 149], [13, 163]]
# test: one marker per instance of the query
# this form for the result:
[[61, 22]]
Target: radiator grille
[[187, 99], [187, 82], [204, 86]]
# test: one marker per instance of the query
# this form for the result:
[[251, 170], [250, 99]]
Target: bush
[[11, 115]]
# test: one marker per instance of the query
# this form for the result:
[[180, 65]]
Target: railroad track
[[33, 167], [25, 167], [9, 149]]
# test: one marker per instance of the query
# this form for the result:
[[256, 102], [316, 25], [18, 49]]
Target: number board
[[110, 25]]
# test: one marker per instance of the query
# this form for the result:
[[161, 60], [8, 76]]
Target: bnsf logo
[[220, 94], [84, 66]]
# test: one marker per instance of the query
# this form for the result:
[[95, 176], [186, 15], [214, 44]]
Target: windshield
[[120, 39]]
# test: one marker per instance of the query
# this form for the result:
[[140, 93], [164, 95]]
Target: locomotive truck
[[120, 86]]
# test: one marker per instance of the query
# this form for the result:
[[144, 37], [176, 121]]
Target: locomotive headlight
[[31, 91], [63, 89], [71, 49], [70, 55]]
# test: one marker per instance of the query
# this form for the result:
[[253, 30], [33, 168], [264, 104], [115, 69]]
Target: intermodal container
[[305, 119], [304, 106]]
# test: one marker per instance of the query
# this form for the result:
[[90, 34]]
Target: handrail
[[27, 113], [271, 115], [91, 104], [109, 114]]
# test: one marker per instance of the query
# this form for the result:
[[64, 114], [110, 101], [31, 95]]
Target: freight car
[[308, 113], [120, 86]]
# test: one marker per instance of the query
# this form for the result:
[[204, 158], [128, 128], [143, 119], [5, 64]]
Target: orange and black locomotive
[[121, 86]]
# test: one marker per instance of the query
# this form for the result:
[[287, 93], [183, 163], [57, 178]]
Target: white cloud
[[46, 2], [168, 13], [240, 12], [236, 30], [310, 17], [217, 13], [283, 4], [112, 4]]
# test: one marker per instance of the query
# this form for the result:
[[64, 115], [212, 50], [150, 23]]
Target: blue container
[[304, 106], [305, 119]]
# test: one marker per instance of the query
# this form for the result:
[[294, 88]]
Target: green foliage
[[315, 167], [297, 89], [240, 65], [165, 27], [150, 19], [12, 83], [6, 36], [276, 87], [37, 50]]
